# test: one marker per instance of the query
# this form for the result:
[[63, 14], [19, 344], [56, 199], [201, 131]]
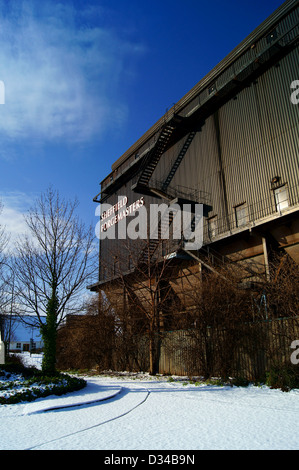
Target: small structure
[[2, 351], [25, 346]]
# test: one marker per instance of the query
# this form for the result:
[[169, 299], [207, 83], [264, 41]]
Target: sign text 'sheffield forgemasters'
[[186, 221], [119, 211]]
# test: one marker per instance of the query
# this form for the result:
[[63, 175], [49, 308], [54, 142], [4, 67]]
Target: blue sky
[[85, 79]]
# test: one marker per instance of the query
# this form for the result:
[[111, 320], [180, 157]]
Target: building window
[[241, 215], [212, 226], [19, 345], [281, 198]]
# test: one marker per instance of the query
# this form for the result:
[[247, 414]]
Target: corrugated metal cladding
[[244, 145], [116, 254], [246, 135], [259, 134]]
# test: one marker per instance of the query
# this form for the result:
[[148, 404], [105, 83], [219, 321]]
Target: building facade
[[230, 145], [25, 346]]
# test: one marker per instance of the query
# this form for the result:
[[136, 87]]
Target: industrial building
[[231, 145]]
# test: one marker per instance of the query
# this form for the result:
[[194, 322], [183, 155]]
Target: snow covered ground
[[147, 413]]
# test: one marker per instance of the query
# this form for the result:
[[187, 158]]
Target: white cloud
[[61, 72], [14, 206]]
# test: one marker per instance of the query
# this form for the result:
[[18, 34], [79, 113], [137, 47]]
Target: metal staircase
[[162, 228], [153, 157], [178, 160]]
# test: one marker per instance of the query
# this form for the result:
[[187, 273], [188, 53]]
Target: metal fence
[[248, 351]]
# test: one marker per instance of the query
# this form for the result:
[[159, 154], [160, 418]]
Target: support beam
[[205, 264]]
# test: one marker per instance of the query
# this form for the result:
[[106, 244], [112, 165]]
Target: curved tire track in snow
[[123, 394]]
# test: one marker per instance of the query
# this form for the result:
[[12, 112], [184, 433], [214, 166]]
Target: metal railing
[[256, 213]]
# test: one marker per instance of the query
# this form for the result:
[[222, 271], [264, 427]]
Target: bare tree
[[88, 340], [234, 326], [140, 296], [215, 313], [52, 267], [5, 273]]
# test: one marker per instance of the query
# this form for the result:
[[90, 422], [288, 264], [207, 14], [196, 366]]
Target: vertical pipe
[[266, 259], [221, 171]]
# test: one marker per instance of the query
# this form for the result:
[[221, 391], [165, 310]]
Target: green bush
[[18, 368], [34, 384], [284, 377], [239, 382]]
